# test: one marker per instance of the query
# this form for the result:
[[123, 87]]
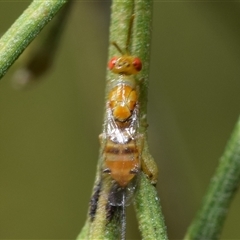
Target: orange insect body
[[120, 138], [122, 101], [121, 153]]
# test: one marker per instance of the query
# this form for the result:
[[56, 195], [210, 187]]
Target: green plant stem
[[147, 203], [40, 55], [211, 216], [148, 210], [25, 29], [151, 221]]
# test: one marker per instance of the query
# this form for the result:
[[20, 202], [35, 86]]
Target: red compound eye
[[137, 63], [112, 63]]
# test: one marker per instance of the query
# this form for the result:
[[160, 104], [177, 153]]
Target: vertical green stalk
[[25, 29], [212, 214], [141, 48], [147, 203]]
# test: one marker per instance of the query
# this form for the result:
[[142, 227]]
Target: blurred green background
[[49, 134]]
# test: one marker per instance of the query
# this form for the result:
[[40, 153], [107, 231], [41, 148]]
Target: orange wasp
[[121, 141], [120, 138]]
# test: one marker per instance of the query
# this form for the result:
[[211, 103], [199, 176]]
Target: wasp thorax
[[125, 65]]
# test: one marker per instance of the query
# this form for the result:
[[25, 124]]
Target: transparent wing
[[120, 135], [123, 196]]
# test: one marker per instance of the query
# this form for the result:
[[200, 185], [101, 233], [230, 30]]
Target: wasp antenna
[[129, 33], [117, 47]]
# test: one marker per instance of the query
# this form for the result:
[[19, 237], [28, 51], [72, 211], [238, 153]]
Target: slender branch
[[147, 203], [25, 29], [39, 56], [148, 209], [210, 218]]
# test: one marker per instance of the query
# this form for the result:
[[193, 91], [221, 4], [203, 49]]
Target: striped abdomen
[[122, 161]]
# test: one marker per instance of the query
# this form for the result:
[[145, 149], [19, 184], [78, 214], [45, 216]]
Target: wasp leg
[[106, 170], [134, 171], [102, 139], [149, 166]]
